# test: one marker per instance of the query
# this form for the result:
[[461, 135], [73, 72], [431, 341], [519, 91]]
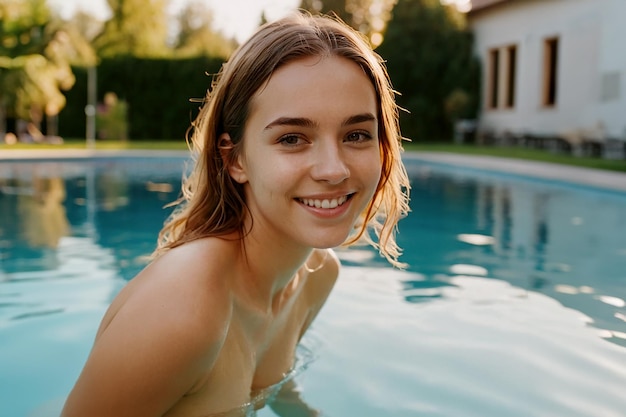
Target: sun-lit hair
[[213, 204]]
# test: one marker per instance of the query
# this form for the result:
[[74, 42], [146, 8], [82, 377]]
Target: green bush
[[158, 93], [112, 118], [72, 119]]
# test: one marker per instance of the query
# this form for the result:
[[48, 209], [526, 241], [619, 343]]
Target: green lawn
[[520, 153]]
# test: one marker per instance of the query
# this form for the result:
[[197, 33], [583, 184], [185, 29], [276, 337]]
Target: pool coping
[[72, 154], [599, 178], [592, 177]]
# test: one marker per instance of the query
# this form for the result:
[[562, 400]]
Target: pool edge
[[566, 174]]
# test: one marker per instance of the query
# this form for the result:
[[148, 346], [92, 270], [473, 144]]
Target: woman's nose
[[329, 164]]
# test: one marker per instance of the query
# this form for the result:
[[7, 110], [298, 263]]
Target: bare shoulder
[[319, 284], [325, 265], [185, 284], [161, 335]]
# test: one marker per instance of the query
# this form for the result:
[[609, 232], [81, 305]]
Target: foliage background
[[430, 59], [155, 72], [158, 92]]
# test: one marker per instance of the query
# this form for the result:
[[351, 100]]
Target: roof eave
[[480, 5]]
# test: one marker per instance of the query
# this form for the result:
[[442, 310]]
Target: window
[[550, 66], [502, 71], [511, 53], [493, 84]]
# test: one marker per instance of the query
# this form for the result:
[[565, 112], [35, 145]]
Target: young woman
[[297, 150]]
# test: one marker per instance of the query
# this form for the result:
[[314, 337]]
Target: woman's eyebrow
[[305, 122], [292, 121], [359, 118]]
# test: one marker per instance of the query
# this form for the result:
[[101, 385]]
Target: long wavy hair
[[213, 204]]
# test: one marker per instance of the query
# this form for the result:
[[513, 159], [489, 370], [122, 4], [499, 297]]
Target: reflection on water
[[483, 348], [565, 242], [513, 292], [71, 235], [42, 214], [115, 207]]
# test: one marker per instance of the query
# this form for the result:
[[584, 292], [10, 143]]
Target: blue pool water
[[513, 303]]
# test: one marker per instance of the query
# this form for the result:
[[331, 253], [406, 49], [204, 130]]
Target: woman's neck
[[268, 269]]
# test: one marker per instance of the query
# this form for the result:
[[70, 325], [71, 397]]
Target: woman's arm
[[155, 343]]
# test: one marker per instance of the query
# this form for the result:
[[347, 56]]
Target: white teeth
[[325, 204]]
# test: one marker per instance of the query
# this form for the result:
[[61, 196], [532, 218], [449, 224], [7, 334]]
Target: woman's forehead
[[316, 83]]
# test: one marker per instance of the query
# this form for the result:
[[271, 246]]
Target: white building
[[552, 68]]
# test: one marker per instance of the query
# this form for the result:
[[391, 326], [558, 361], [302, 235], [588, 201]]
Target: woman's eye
[[358, 137], [291, 140]]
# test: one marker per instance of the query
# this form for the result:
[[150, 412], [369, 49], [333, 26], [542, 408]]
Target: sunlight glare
[[475, 239]]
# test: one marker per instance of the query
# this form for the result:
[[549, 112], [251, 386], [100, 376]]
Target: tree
[[136, 27], [34, 67], [429, 54], [87, 25], [22, 25], [367, 16], [196, 35]]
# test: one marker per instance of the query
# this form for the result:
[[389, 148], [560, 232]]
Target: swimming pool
[[513, 303]]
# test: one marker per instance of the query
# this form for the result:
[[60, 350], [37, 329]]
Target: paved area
[[34, 154], [587, 176]]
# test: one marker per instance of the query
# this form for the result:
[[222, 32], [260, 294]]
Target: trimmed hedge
[[157, 92]]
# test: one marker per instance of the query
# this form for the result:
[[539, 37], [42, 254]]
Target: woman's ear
[[232, 160]]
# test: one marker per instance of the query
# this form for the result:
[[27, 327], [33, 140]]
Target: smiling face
[[311, 158]]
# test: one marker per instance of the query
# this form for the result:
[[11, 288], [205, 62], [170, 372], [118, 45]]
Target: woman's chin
[[329, 242]]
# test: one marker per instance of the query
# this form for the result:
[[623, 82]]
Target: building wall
[[591, 66]]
